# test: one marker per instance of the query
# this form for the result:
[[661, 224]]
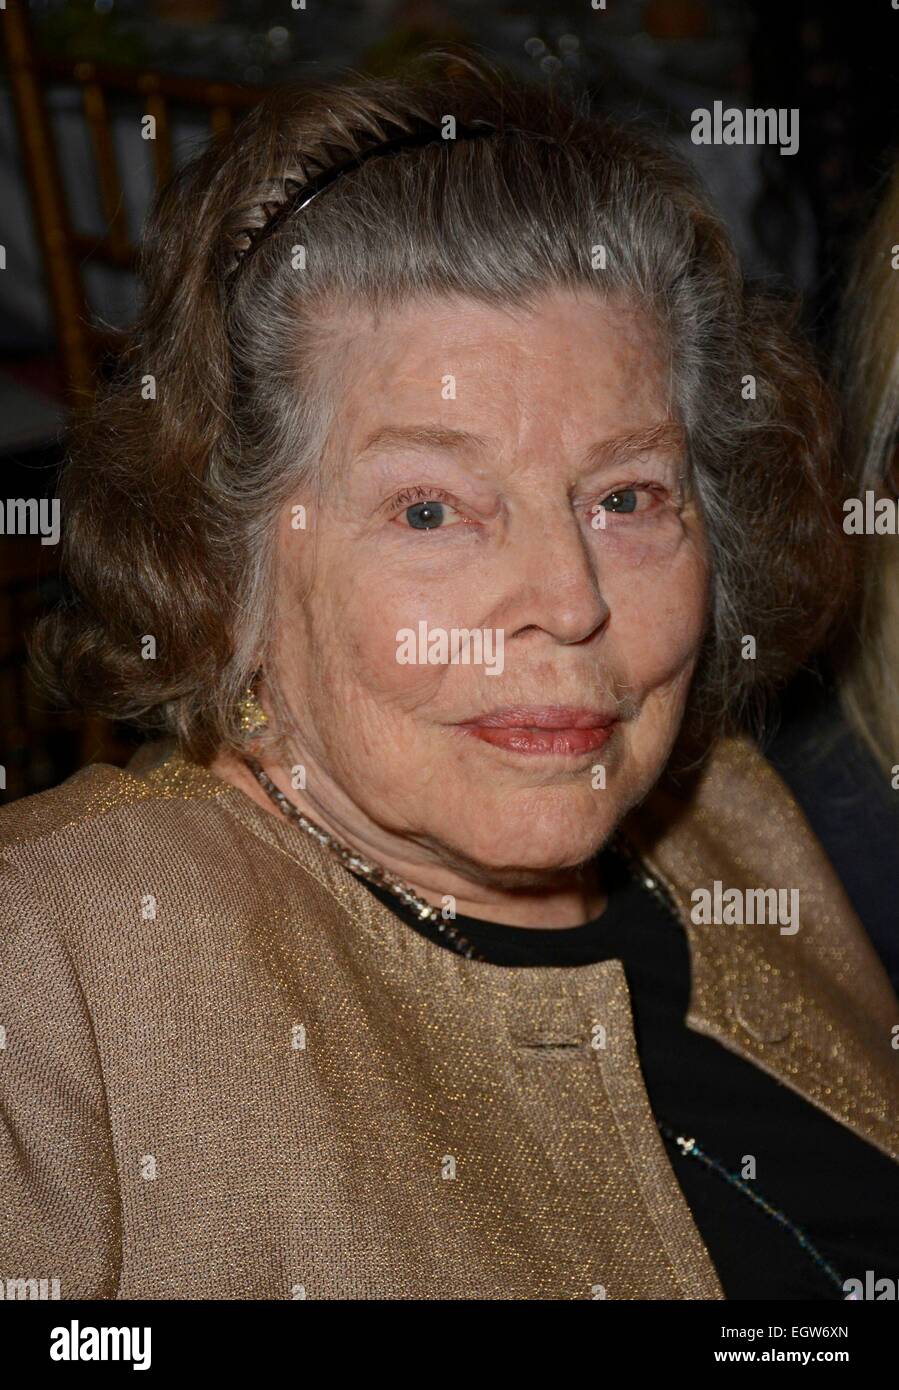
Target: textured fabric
[[229, 1072], [839, 1190]]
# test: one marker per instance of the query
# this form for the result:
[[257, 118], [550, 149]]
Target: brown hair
[[168, 504]]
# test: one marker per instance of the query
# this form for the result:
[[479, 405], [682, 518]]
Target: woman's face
[[513, 475]]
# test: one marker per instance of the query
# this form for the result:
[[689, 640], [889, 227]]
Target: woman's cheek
[[658, 614], [631, 543], [376, 624]]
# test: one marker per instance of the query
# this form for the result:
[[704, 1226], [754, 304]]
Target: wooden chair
[[65, 250], [82, 345]]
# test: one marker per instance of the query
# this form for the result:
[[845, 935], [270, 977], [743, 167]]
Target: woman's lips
[[557, 741], [562, 732]]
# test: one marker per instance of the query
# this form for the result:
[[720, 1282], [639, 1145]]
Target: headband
[[302, 194]]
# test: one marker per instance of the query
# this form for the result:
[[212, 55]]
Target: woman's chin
[[517, 856]]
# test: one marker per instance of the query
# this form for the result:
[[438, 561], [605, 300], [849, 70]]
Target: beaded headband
[[301, 195]]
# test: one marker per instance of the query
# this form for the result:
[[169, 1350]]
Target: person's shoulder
[[111, 848], [99, 798], [105, 827]]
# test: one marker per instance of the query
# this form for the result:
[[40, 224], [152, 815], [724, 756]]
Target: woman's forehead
[[456, 376]]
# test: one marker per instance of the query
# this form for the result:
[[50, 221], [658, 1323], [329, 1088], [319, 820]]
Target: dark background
[[794, 218]]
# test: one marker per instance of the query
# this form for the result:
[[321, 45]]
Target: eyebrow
[[665, 434], [392, 439]]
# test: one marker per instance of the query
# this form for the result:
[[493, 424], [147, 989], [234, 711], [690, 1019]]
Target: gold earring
[[250, 712]]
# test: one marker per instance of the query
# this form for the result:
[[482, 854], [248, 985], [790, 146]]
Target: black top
[[836, 1188]]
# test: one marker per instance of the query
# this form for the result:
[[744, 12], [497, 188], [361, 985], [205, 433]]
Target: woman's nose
[[558, 588]]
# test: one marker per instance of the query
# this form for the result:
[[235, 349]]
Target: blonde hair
[[868, 355]]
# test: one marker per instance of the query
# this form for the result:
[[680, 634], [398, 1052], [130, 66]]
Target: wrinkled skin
[[569, 529]]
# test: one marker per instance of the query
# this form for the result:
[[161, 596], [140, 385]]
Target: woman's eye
[[624, 500], [424, 511], [426, 516]]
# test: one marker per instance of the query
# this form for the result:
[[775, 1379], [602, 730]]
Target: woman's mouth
[[543, 730]]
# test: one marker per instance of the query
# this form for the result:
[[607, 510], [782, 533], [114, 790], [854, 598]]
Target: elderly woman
[[450, 471]]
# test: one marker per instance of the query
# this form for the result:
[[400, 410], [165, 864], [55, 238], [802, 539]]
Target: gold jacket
[[229, 1072]]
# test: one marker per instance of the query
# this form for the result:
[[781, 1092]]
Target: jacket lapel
[[812, 1007]]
